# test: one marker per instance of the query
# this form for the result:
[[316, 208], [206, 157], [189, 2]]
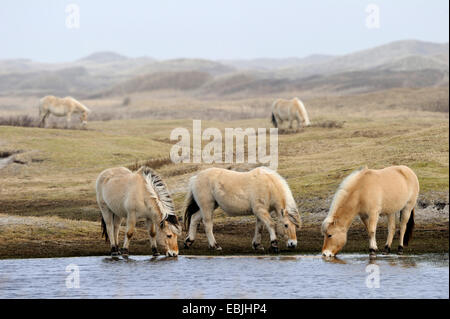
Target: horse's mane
[[79, 104], [290, 202], [341, 194], [159, 191], [302, 110]]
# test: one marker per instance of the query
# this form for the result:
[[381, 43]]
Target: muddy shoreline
[[235, 239], [43, 229]]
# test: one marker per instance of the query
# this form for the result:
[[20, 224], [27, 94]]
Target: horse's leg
[[108, 217], [207, 213], [365, 220], [264, 216], [280, 122], [131, 226], [69, 119], [44, 119], [257, 239], [192, 231], [116, 222], [152, 233], [372, 230], [404, 218], [391, 231], [42, 115]]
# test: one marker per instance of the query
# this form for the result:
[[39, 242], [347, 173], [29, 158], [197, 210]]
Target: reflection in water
[[394, 260], [288, 258], [306, 276], [334, 259]]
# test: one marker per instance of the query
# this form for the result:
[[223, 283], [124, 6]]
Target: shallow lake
[[305, 276]]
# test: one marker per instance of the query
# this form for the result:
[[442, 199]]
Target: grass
[[55, 172], [20, 120]]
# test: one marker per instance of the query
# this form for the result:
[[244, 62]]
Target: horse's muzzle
[[171, 253], [327, 253], [291, 243]]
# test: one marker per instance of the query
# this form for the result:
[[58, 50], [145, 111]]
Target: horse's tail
[[409, 229], [190, 208], [303, 112], [104, 231], [274, 120], [42, 111]]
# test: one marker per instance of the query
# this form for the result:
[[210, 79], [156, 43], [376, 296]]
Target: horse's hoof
[[215, 247], [155, 252], [124, 253], [387, 250], [274, 247], [188, 243], [115, 253], [258, 247], [400, 250], [372, 253]]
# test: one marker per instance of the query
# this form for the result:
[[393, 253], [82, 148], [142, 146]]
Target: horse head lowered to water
[[122, 194], [259, 192], [370, 193]]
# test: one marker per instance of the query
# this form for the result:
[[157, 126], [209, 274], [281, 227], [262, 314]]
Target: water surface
[[421, 276]]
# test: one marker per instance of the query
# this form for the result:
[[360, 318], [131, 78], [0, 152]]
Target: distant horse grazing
[[259, 192], [289, 110], [124, 194], [62, 107], [370, 193]]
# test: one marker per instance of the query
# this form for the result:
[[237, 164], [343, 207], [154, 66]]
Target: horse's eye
[[169, 236], [329, 236], [286, 225]]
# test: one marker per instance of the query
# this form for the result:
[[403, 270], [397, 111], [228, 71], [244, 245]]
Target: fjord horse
[[259, 192], [370, 193], [62, 107], [289, 110], [123, 194]]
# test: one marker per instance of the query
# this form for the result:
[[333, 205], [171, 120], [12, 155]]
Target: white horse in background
[[289, 110], [62, 107]]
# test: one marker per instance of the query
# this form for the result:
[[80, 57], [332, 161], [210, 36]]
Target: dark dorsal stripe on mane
[[158, 188]]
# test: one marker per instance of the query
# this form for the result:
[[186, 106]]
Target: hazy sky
[[214, 29]]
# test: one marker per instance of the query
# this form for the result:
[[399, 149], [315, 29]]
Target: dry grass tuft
[[105, 116], [369, 134], [154, 163], [440, 105], [328, 124], [29, 121], [21, 120]]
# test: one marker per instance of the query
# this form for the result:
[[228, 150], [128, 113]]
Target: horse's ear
[[282, 212]]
